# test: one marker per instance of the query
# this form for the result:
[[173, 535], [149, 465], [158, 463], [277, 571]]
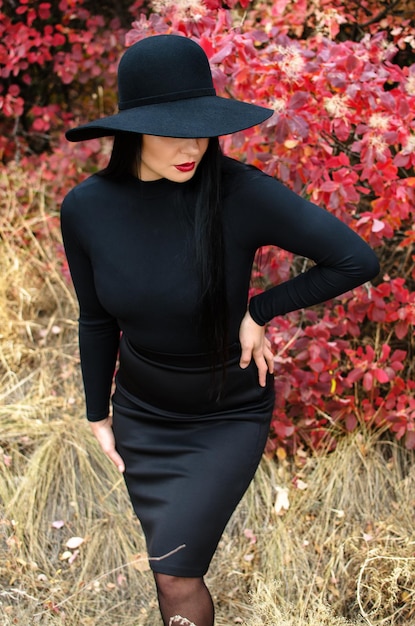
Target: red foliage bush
[[343, 134], [56, 60]]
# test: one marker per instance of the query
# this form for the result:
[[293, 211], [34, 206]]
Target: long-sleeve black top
[[129, 252]]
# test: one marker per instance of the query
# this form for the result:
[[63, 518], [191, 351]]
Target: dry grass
[[341, 554]]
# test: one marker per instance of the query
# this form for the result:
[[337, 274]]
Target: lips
[[186, 167]]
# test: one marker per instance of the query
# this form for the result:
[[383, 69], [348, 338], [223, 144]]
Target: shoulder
[[94, 198], [244, 179], [94, 187], [85, 206], [246, 184], [235, 173]]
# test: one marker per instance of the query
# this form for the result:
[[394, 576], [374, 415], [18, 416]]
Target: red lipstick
[[186, 167]]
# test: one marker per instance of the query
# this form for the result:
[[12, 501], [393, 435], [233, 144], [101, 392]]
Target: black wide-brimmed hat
[[165, 88]]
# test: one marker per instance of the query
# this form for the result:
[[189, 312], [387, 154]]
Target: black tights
[[184, 601]]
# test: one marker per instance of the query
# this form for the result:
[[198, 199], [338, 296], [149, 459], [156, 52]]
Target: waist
[[191, 360], [186, 384]]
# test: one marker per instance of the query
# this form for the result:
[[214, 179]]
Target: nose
[[192, 146]]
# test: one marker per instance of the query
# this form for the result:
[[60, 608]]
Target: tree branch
[[380, 15]]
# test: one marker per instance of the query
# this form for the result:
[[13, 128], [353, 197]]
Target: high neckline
[[152, 188]]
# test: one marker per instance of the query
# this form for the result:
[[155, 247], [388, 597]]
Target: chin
[[182, 177]]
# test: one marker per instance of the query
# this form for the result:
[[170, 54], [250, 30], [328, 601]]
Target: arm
[[271, 214], [98, 332]]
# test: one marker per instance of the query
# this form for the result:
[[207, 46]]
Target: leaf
[[281, 453], [291, 143], [401, 329], [351, 422], [329, 185], [410, 440], [282, 503], [355, 375], [140, 563], [282, 130], [249, 534], [121, 580], [367, 381], [377, 226], [298, 100], [73, 556], [58, 524], [224, 52], [300, 484], [74, 542], [381, 375]]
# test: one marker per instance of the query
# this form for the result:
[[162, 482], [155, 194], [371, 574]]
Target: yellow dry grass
[[71, 550]]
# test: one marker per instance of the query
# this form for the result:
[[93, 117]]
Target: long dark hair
[[203, 195]]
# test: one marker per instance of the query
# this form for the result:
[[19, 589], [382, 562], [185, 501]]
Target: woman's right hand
[[103, 432]]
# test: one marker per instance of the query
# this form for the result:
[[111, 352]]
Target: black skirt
[[189, 452]]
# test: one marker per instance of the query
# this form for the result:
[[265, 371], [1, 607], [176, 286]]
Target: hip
[[189, 385]]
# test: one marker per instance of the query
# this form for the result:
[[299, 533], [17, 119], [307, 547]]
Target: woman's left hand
[[255, 346]]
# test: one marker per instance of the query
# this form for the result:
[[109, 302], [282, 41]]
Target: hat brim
[[206, 116]]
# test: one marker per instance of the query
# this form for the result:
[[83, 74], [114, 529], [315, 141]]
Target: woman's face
[[170, 157]]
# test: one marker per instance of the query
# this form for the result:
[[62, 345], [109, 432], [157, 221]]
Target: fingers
[[264, 360], [103, 432], [119, 463], [246, 357], [262, 365], [113, 456], [269, 357], [255, 346]]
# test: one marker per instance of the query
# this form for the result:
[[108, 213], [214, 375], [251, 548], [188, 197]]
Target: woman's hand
[[255, 346], [103, 432]]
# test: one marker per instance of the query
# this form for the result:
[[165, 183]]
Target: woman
[[160, 247]]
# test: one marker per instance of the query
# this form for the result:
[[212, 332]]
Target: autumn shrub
[[343, 135], [341, 80], [56, 59]]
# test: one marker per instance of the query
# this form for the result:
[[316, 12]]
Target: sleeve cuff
[[253, 311]]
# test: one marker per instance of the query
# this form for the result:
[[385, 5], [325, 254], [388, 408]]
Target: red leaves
[[11, 105], [44, 117], [34, 44], [370, 369], [343, 134], [340, 137], [316, 370], [44, 10]]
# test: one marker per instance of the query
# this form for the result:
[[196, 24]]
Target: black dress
[[190, 453]]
